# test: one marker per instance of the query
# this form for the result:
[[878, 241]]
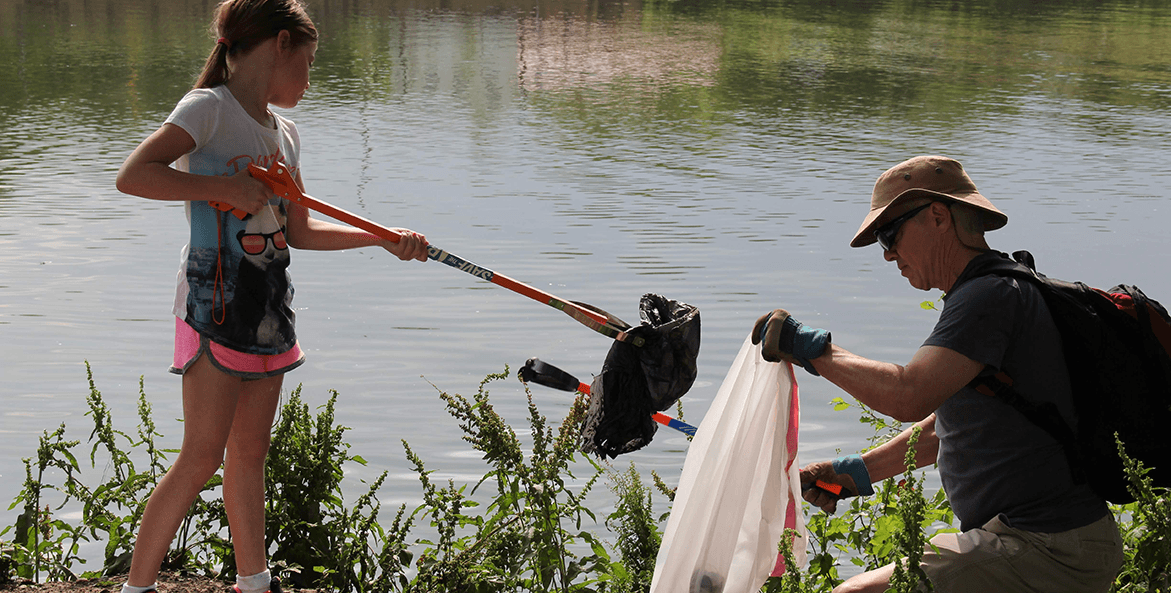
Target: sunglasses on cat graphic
[[256, 243]]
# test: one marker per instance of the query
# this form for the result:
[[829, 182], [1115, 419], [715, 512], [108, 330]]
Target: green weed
[[1147, 537], [524, 526]]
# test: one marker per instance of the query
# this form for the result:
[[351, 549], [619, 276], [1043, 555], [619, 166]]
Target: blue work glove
[[786, 339], [824, 483]]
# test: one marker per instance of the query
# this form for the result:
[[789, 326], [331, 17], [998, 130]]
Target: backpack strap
[[999, 384], [1045, 415]]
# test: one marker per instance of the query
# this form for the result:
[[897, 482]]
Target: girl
[[234, 336]]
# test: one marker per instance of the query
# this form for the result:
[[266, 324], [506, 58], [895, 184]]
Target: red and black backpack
[[1117, 346]]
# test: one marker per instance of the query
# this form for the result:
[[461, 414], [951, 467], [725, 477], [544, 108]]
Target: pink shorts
[[190, 345]]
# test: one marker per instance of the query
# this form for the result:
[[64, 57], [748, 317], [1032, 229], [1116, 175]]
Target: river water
[[719, 153]]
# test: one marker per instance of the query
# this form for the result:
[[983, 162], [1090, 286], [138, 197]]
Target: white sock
[[257, 583], [126, 588]]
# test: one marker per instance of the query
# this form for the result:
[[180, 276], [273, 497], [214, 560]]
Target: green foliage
[[791, 581], [872, 532], [41, 543], [110, 511], [884, 428], [521, 527], [45, 547], [637, 531], [526, 536], [910, 540], [1147, 538], [316, 538]]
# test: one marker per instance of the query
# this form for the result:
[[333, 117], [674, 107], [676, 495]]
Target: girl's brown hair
[[241, 25]]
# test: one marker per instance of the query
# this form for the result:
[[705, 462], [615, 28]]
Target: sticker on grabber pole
[[459, 263]]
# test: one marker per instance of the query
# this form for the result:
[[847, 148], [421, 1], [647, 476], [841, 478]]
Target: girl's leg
[[247, 449], [209, 406]]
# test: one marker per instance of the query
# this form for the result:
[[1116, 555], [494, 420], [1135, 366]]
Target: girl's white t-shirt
[[233, 283]]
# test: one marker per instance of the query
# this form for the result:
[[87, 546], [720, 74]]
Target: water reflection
[[567, 53]]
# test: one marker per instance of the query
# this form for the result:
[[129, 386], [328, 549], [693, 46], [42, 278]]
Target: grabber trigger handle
[[222, 207], [834, 489]]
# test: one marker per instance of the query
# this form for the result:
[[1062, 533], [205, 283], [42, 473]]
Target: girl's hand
[[245, 192], [412, 245]]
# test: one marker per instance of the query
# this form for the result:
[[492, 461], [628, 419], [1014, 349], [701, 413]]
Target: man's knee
[[875, 581]]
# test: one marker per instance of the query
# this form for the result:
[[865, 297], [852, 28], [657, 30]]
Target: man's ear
[[941, 215]]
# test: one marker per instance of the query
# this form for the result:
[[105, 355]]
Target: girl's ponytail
[[241, 25], [215, 71]]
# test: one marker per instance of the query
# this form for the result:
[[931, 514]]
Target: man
[[1026, 524]]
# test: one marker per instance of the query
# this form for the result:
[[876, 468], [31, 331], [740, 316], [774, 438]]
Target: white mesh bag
[[739, 489]]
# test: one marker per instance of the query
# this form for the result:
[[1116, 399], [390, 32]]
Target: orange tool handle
[[225, 207], [834, 489], [280, 180]]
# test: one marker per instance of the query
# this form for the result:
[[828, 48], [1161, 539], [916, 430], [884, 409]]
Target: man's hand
[[841, 472], [767, 331], [783, 338]]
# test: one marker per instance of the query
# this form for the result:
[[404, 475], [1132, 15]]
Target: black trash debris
[[636, 382]]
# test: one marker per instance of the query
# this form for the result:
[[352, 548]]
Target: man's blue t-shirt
[[992, 460]]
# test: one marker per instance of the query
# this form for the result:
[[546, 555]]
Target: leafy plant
[[41, 542], [791, 581], [112, 510], [1147, 538], [873, 531], [524, 538], [910, 539], [528, 535], [637, 531], [317, 540]]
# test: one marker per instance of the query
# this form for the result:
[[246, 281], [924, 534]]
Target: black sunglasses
[[886, 233]]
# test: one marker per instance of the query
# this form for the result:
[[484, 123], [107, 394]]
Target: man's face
[[908, 247]]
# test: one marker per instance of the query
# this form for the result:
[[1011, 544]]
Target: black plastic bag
[[636, 382]]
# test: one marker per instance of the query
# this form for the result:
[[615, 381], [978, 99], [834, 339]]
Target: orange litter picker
[[648, 368], [280, 180]]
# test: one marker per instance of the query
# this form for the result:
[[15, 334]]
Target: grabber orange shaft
[[280, 180]]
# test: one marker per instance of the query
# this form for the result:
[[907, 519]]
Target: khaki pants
[[997, 557]]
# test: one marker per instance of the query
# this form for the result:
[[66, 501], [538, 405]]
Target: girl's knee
[[249, 451], [195, 468]]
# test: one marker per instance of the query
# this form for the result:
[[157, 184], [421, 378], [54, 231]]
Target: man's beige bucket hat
[[926, 177]]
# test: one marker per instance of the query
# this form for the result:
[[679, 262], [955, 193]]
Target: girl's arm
[[147, 173], [306, 232]]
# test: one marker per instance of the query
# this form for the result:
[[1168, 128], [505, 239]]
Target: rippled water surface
[[721, 154]]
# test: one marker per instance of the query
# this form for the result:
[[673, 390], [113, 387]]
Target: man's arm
[[885, 461], [889, 459], [906, 393]]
